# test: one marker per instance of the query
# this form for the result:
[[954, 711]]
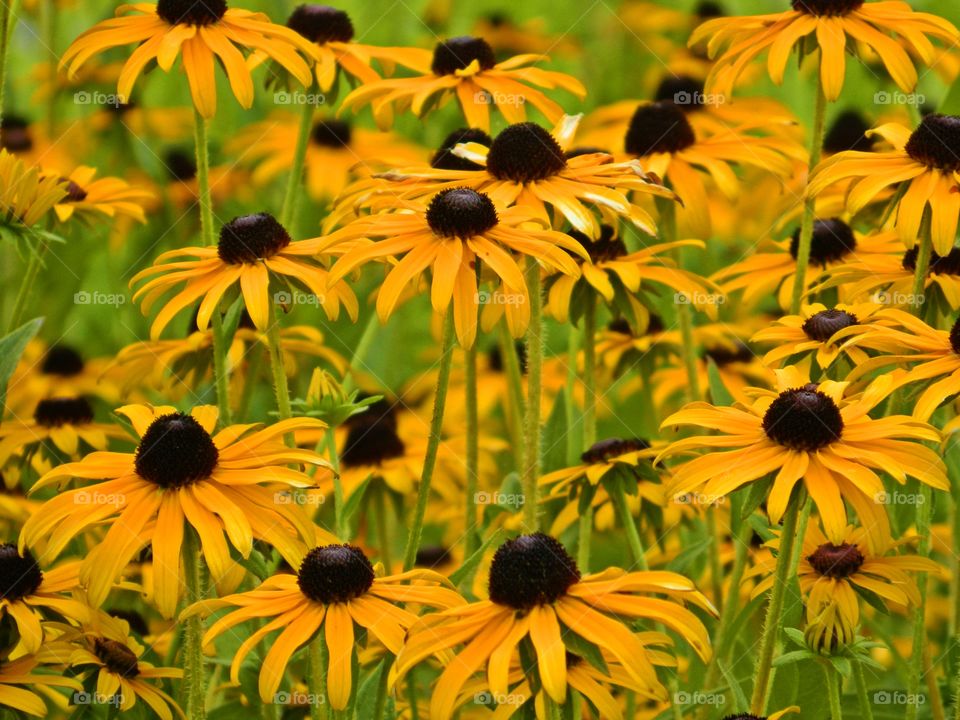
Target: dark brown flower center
[[54, 412], [524, 153], [836, 561], [62, 361], [832, 241], [707, 9], [444, 158], [372, 437], [20, 575], [15, 134], [251, 238], [955, 337], [119, 659], [936, 142], [605, 450], [723, 355], [495, 357], [948, 264], [180, 165], [321, 24], [531, 570], [803, 419], [432, 556], [848, 132], [331, 133], [682, 90], [659, 127], [335, 573], [826, 323], [191, 12], [603, 249], [827, 7], [457, 53], [461, 213], [744, 716], [175, 451]]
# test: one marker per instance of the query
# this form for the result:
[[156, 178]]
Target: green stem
[[194, 676], [251, 375], [49, 31], [863, 700], [833, 691], [280, 387], [471, 536], [317, 676], [514, 406], [380, 704], [531, 421], [433, 443], [221, 376], [26, 285], [691, 360], [570, 404], [331, 441], [773, 621], [716, 569], [923, 263], [809, 203], [619, 498], [7, 19], [924, 515], [383, 531], [291, 199], [584, 536], [360, 351], [590, 371]]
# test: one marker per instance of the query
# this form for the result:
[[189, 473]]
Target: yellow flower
[[466, 67], [26, 195], [180, 473], [21, 672], [926, 160], [109, 196], [890, 28], [252, 249], [812, 432], [335, 588], [206, 34]]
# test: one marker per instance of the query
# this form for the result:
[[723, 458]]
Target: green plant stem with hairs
[[194, 675], [291, 198], [809, 203], [433, 443], [833, 691], [531, 425]]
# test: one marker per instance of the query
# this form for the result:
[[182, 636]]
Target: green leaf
[[367, 694], [464, 574], [232, 320], [555, 436], [580, 646], [351, 506], [719, 394], [11, 348]]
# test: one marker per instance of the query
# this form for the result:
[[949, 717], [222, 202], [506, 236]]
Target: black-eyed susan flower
[[64, 426], [28, 594], [536, 593], [835, 573], [252, 251], [662, 137], [26, 194], [464, 67], [459, 227], [334, 589], [529, 166], [926, 161], [89, 198], [103, 651], [834, 244], [181, 473], [818, 331], [810, 432], [204, 34], [616, 274], [891, 29], [336, 152], [22, 680]]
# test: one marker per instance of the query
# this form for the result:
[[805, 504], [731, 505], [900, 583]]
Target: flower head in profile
[[109, 197], [925, 162], [23, 683], [459, 228], [464, 67], [26, 194], [334, 590], [893, 30], [814, 433], [180, 473], [205, 34], [534, 587], [252, 251]]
